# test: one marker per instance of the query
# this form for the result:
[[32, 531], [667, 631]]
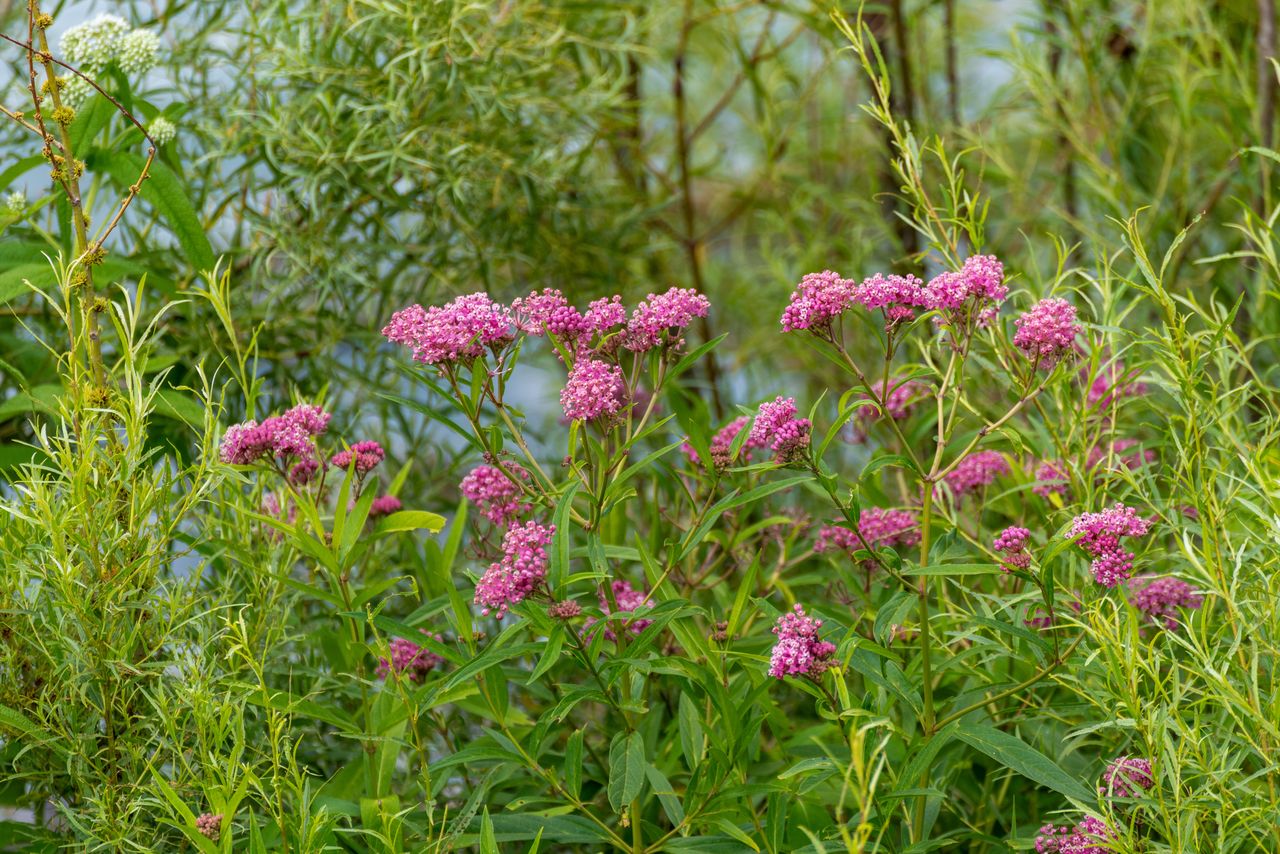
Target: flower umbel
[[520, 571], [798, 651], [1099, 534]]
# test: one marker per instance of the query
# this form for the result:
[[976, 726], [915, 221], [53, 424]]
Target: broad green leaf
[[626, 770], [1015, 754], [412, 520], [164, 191]]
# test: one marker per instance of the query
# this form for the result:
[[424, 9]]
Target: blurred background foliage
[[349, 156]]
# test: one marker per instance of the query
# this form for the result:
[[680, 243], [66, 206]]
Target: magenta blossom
[[818, 300], [365, 456], [722, 444], [287, 436], [798, 651], [520, 571], [1113, 381], [548, 312], [1099, 534], [1117, 449], [1160, 598], [1013, 543], [457, 332], [409, 659], [974, 292], [976, 471], [663, 317], [897, 296], [495, 495], [878, 527], [1090, 836], [1126, 777], [209, 825], [384, 505], [629, 599], [1047, 332], [777, 427], [594, 390], [1051, 478]]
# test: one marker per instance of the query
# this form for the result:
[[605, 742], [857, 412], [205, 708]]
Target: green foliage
[[183, 639]]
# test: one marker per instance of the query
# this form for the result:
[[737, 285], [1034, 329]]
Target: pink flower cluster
[[595, 389], [976, 290], [629, 599], [1099, 534], [882, 527], [1051, 478], [1126, 777], [722, 444], [1090, 836], [209, 825], [663, 317], [456, 332], [286, 436], [566, 609], [798, 651], [897, 296], [1160, 598], [1012, 542], [409, 659], [384, 505], [777, 427], [819, 299], [520, 571], [494, 494], [365, 456], [879, 527], [903, 399], [1047, 332], [1112, 381], [976, 471]]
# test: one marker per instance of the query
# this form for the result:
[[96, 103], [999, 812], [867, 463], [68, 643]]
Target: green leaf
[[737, 833], [164, 191], [41, 398], [626, 770], [573, 763], [666, 795], [488, 842], [14, 721], [411, 520], [182, 407], [90, 118], [954, 569], [1016, 754], [13, 281], [559, 564]]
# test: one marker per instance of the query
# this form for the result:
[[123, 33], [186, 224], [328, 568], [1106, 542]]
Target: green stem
[[926, 651]]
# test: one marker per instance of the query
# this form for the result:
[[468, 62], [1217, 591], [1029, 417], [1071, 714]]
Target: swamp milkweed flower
[[595, 389], [495, 495], [777, 427], [520, 571], [458, 331], [798, 651], [1047, 332], [1099, 534]]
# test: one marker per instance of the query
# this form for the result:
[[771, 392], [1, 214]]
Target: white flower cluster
[[94, 45], [162, 130], [15, 203]]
